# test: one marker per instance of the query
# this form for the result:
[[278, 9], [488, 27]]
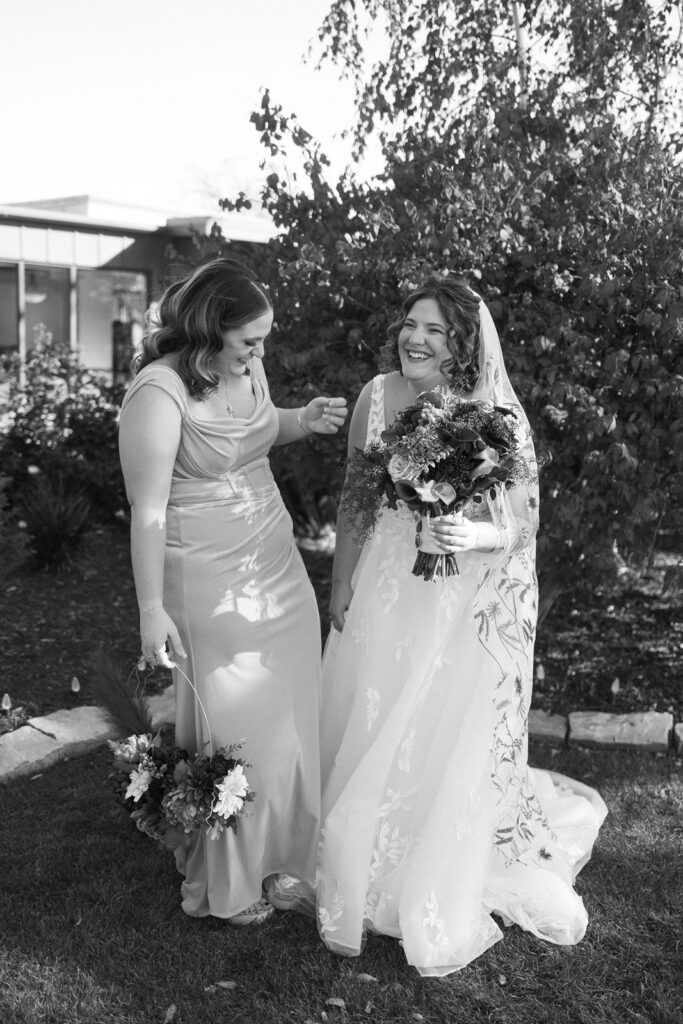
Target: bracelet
[[152, 608], [300, 421]]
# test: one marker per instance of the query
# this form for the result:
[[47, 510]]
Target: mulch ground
[[614, 648]]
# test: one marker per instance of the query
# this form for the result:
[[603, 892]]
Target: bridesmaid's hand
[[340, 599], [324, 415], [156, 629]]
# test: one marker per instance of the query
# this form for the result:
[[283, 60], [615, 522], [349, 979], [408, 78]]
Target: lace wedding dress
[[432, 818]]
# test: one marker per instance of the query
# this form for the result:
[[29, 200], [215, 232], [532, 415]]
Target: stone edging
[[639, 730], [64, 734]]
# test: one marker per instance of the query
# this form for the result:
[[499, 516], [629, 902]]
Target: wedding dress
[[432, 818]]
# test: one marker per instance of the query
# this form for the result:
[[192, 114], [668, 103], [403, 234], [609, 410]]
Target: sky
[[148, 101]]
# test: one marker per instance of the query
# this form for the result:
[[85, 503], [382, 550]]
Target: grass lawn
[[92, 932]]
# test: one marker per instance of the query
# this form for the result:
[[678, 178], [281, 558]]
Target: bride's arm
[[511, 523], [520, 519], [347, 549]]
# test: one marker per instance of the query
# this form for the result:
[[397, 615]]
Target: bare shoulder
[[394, 387], [359, 418]]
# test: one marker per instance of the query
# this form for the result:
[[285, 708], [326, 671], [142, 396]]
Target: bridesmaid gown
[[432, 819], [238, 592]]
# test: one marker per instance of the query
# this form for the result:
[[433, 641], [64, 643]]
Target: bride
[[432, 819]]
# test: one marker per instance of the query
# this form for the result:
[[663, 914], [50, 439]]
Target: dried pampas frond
[[120, 697]]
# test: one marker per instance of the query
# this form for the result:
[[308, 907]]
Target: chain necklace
[[228, 404]]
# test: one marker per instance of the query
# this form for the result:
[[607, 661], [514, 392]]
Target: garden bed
[[53, 623]]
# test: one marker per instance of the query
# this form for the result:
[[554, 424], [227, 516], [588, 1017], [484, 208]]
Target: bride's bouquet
[[167, 792], [439, 454]]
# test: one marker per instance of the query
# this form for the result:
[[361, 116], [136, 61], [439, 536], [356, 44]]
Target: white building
[[87, 270]]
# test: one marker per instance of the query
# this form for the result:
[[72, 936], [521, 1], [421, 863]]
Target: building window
[[47, 296], [111, 307], [9, 307]]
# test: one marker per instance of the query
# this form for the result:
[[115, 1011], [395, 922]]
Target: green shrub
[[62, 420], [12, 538], [56, 515]]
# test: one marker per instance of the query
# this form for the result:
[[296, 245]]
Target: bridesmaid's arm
[[149, 435], [321, 416], [347, 549]]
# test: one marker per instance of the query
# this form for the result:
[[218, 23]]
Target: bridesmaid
[[221, 586]]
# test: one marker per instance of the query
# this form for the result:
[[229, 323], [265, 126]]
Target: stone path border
[[64, 734]]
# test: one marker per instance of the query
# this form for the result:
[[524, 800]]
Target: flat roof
[[238, 227]]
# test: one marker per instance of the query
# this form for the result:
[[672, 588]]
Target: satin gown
[[432, 818], [237, 589]]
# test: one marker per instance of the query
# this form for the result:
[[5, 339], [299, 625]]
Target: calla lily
[[431, 492], [434, 397], [488, 459], [445, 493]]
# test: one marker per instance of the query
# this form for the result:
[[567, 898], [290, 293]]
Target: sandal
[[285, 892], [257, 913]]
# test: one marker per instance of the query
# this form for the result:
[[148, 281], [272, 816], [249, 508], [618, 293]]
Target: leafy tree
[[555, 191]]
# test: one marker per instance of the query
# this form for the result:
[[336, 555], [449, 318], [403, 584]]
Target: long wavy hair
[[192, 314], [460, 309]]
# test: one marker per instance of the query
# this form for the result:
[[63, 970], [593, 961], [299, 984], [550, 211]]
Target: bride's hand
[[455, 534], [340, 599], [324, 415], [156, 630]]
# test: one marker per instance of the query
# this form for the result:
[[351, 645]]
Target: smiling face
[[423, 345], [242, 344]]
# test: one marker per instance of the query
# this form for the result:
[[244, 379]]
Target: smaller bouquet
[[439, 454], [169, 795]]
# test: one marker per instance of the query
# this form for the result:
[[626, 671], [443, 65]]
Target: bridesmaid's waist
[[252, 482]]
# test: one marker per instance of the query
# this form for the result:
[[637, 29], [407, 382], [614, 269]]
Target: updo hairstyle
[[193, 313]]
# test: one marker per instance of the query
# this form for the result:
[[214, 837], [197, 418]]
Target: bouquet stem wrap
[[432, 562]]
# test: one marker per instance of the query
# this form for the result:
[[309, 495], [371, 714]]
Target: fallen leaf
[[210, 989], [502, 980], [335, 1001], [75, 684], [227, 984], [7, 702], [365, 977], [170, 1013]]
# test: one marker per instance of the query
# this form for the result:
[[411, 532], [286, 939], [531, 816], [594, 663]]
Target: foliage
[[557, 194], [62, 420], [55, 512], [578, 61], [12, 539]]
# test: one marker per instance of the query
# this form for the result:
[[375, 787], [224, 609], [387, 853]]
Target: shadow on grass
[[92, 931]]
